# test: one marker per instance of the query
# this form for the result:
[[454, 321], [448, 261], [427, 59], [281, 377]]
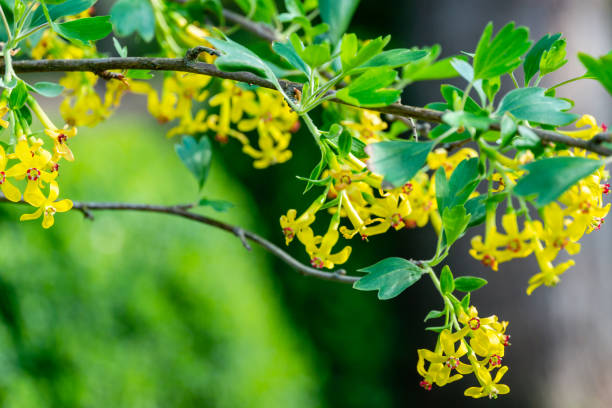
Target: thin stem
[[32, 31], [244, 235], [466, 94], [569, 81], [516, 85]]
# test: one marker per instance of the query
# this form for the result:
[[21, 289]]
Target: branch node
[[86, 213], [239, 232], [192, 54], [108, 75]]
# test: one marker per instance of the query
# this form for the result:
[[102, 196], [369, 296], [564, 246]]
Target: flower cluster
[[33, 167], [580, 210], [482, 341], [356, 194]]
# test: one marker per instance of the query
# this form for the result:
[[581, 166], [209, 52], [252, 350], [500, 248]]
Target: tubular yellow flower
[[549, 274], [591, 130], [60, 145], [440, 158], [489, 387], [292, 226], [47, 206], [319, 248], [8, 189], [369, 127]]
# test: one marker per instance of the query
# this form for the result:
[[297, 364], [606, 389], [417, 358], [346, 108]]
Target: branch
[[188, 64], [182, 210]]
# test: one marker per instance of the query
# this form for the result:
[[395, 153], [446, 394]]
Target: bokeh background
[[146, 310]]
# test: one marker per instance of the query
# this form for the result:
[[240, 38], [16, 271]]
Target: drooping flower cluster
[[482, 341], [580, 210], [34, 168], [357, 195]]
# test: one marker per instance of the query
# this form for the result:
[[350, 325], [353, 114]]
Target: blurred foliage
[[142, 310]]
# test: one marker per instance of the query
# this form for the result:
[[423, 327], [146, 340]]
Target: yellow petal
[[33, 216], [63, 205], [10, 191]]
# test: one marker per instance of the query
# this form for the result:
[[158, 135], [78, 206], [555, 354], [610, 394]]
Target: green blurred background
[[150, 310]]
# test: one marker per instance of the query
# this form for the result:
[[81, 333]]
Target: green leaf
[[550, 177], [527, 139], [442, 189], [463, 182], [85, 29], [217, 205], [426, 69], [398, 161], [465, 303], [466, 71], [337, 14], [600, 68], [18, 96], [554, 58], [288, 52], [455, 221], [236, 57], [368, 90], [447, 284], [121, 50], [508, 130], [531, 65], [129, 16], [316, 55], [48, 89], [531, 104], [353, 59], [315, 174], [467, 120], [469, 283], [345, 140], [67, 8], [502, 54], [390, 277], [196, 156], [295, 7], [434, 314], [394, 58]]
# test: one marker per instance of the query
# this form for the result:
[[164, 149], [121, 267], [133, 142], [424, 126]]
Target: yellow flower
[[497, 247], [273, 147], [319, 248], [487, 334], [489, 387], [270, 108], [443, 360], [558, 232], [9, 190], [422, 196], [549, 274], [291, 226], [369, 127], [47, 207], [591, 130], [60, 145], [32, 164], [190, 125]]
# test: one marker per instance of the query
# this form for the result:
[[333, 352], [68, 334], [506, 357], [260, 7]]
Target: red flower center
[[605, 188], [426, 385], [514, 245], [2, 177], [474, 323], [317, 262], [452, 362], [506, 342], [289, 233], [33, 174], [489, 260], [407, 188], [396, 220], [495, 360], [61, 138]]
